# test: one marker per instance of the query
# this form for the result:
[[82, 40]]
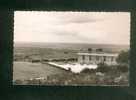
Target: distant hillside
[[74, 46]]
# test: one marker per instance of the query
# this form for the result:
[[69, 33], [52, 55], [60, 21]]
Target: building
[[97, 58]]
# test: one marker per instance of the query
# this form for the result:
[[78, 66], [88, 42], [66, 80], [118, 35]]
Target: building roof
[[99, 54]]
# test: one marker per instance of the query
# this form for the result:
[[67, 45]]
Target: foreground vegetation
[[103, 75], [29, 69]]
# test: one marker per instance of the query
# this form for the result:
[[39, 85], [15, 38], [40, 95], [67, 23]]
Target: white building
[[96, 58]]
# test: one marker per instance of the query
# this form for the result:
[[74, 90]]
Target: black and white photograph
[[71, 48]]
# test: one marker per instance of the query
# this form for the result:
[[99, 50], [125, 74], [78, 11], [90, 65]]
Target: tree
[[123, 57]]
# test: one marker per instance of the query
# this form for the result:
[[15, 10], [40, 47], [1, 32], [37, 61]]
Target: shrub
[[87, 70], [123, 57], [103, 68], [35, 61], [122, 68]]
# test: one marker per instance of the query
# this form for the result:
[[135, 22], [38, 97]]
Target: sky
[[72, 27]]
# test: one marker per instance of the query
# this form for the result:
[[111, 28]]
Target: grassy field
[[27, 70], [25, 73], [31, 53], [57, 51], [29, 59]]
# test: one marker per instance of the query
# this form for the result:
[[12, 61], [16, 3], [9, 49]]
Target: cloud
[[80, 20], [84, 27], [71, 35]]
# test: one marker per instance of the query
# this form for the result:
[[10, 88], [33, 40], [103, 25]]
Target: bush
[[35, 61], [122, 68], [87, 70], [123, 57], [103, 68]]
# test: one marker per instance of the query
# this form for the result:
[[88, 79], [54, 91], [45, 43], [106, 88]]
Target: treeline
[[34, 60]]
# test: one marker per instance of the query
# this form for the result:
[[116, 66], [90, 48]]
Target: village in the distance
[[70, 64]]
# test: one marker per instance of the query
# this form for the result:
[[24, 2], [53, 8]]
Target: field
[[26, 73], [30, 65], [27, 70]]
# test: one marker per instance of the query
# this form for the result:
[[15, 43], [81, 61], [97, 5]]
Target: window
[[90, 58], [83, 57], [104, 58]]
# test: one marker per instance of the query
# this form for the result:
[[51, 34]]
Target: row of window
[[98, 58]]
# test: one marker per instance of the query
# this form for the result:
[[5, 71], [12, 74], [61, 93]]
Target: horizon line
[[69, 43]]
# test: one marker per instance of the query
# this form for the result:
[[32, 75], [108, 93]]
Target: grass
[[43, 53], [27, 70], [24, 69]]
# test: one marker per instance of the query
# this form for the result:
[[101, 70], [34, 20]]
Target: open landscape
[[31, 67], [73, 48]]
